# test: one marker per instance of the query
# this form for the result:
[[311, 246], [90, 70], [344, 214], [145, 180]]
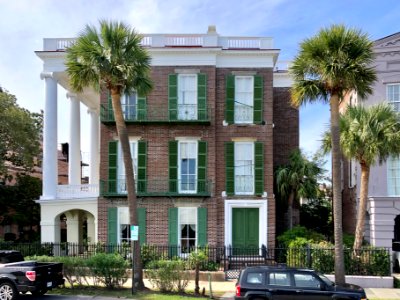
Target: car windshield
[[326, 280]]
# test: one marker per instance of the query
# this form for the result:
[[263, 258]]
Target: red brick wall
[[158, 135]]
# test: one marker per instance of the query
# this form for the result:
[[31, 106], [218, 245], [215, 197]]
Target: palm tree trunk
[[290, 210], [337, 193], [130, 183], [362, 207]]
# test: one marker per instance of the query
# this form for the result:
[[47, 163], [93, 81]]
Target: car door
[[279, 285], [308, 286]]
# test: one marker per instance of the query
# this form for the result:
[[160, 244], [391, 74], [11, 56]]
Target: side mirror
[[322, 286]]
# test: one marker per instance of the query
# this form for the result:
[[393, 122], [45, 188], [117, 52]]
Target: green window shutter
[[173, 231], [112, 166], [141, 168], [141, 108], [202, 226], [110, 111], [141, 216], [173, 97], [202, 97], [230, 99], [112, 237], [230, 167], [258, 100], [202, 167], [173, 166], [259, 168]]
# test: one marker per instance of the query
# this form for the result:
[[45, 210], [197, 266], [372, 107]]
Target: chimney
[[212, 29]]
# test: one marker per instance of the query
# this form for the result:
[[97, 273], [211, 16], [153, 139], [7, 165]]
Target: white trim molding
[[262, 205]]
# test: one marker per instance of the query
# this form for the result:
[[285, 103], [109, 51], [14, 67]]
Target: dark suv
[[257, 283]]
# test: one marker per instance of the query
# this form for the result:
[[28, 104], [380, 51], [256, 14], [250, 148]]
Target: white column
[[94, 147], [50, 171], [91, 232], [74, 151]]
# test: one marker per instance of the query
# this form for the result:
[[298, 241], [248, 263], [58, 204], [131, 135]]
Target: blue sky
[[24, 24]]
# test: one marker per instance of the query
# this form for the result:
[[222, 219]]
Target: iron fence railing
[[367, 261]]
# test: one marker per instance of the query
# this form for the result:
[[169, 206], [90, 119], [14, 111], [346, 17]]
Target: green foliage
[[297, 232], [167, 275], [19, 134], [151, 253], [322, 257], [20, 207], [298, 253], [317, 215], [108, 269]]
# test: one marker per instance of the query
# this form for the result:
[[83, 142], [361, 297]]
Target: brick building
[[204, 143]]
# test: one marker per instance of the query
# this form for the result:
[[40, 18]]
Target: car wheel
[[7, 291], [39, 292], [396, 267]]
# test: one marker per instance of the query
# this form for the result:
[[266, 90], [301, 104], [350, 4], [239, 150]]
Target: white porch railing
[[179, 40], [77, 191]]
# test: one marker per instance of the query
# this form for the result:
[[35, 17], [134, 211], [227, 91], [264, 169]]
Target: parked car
[[19, 276], [257, 283]]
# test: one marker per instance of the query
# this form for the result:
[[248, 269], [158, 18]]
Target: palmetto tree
[[368, 135], [297, 179], [330, 64], [111, 57]]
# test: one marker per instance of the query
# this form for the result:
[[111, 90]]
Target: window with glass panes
[[129, 106], [187, 97], [123, 225], [393, 176], [121, 185], [244, 99], [393, 164], [187, 228], [244, 168], [187, 166]]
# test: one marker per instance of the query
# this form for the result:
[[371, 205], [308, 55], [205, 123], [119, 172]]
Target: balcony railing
[[77, 191], [158, 114], [179, 40], [157, 187]]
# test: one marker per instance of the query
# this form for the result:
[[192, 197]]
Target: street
[[61, 297]]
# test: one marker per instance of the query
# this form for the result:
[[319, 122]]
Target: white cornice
[[282, 79]]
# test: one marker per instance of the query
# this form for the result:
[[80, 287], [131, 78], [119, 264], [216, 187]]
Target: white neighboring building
[[383, 212]]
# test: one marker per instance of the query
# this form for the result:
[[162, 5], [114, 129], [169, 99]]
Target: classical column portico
[[50, 171], [94, 147], [74, 151]]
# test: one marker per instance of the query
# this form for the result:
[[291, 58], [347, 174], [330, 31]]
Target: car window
[[279, 278], [256, 278], [306, 280]]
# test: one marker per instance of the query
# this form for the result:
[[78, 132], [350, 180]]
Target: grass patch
[[124, 293]]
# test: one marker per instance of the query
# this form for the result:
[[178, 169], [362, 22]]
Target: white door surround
[[262, 205]]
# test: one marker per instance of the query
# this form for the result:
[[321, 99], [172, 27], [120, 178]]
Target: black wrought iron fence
[[368, 261]]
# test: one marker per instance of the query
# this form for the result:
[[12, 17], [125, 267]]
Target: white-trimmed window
[[124, 233], [244, 99], [393, 95], [393, 176], [187, 96], [187, 166], [244, 168], [187, 220], [129, 106], [121, 166]]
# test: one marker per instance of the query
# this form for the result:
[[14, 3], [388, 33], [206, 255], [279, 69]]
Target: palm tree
[[297, 179], [111, 57], [368, 135], [335, 61]]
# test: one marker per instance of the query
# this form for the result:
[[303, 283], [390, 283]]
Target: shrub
[[323, 257], [108, 269], [298, 253], [150, 253], [168, 274], [297, 232]]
